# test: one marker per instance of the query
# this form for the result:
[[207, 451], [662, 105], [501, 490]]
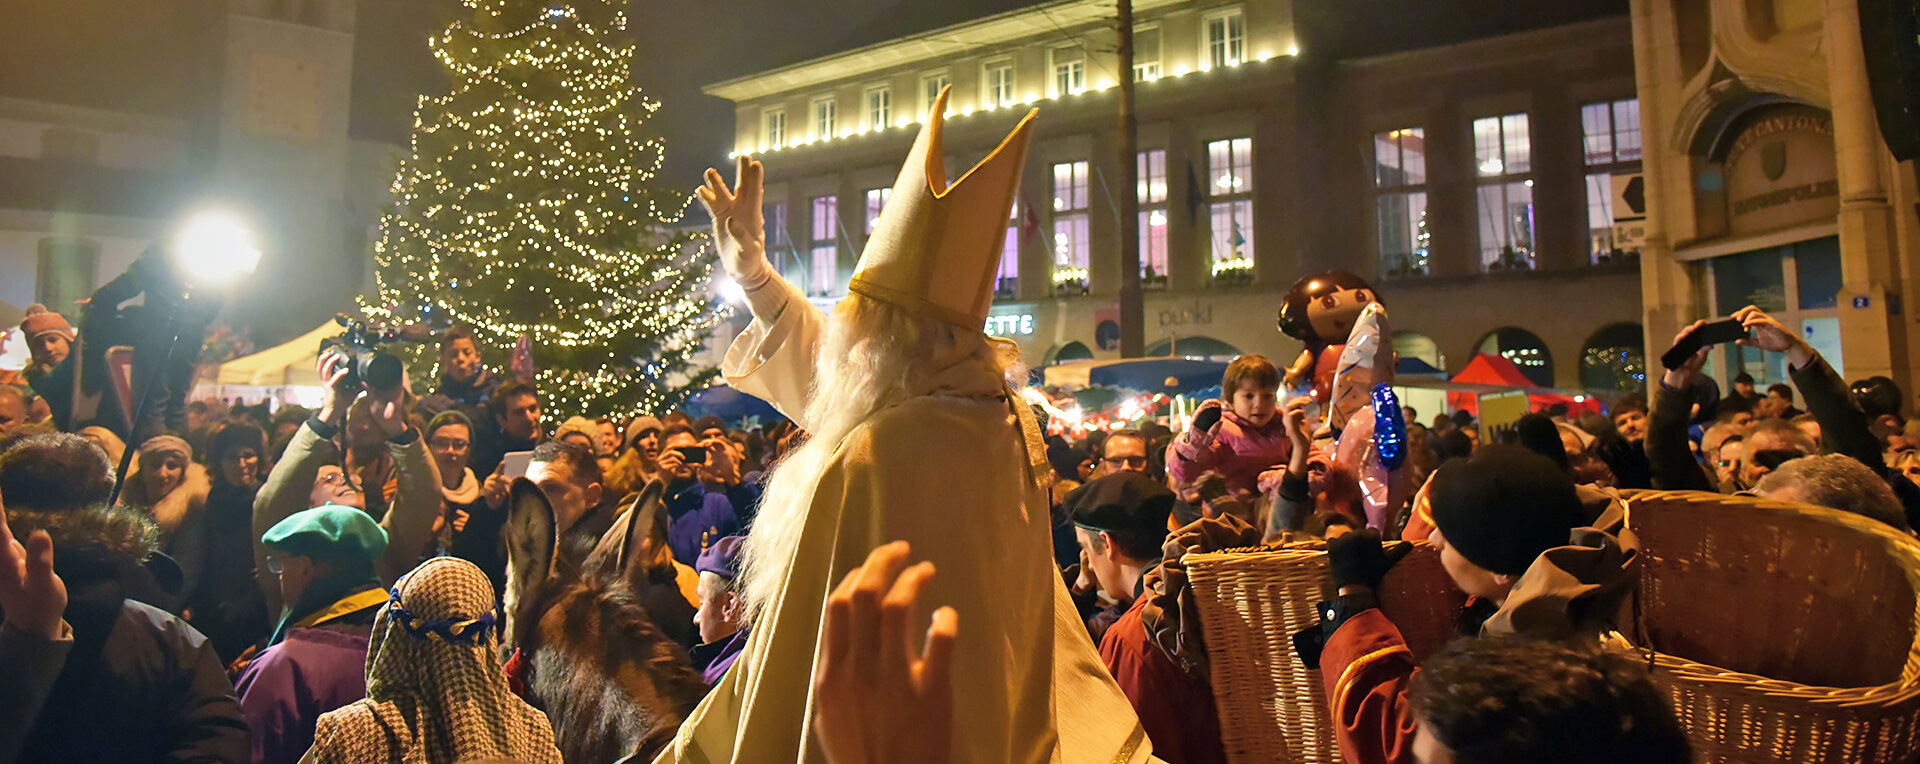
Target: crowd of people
[[335, 584]]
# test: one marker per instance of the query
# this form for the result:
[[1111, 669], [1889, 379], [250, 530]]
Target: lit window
[[1400, 202], [1070, 227], [1069, 71], [775, 132], [1226, 38], [1230, 209], [1504, 199], [779, 242], [876, 203], [1146, 54], [1006, 278], [1612, 143], [1151, 167], [879, 107], [824, 247], [826, 112], [930, 87], [997, 84]]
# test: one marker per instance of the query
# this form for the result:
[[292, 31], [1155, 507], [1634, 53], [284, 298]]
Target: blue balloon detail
[[1389, 427]]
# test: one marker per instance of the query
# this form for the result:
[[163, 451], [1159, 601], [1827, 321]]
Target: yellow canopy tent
[[284, 371]]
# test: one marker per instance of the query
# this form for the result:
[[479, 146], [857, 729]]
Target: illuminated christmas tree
[[529, 205]]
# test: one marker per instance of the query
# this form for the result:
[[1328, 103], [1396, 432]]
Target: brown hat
[[39, 321]]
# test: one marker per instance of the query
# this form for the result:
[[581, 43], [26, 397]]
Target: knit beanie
[[1503, 506], [640, 425], [39, 321], [161, 444]]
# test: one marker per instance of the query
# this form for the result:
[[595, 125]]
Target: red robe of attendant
[[1367, 668], [1176, 709]]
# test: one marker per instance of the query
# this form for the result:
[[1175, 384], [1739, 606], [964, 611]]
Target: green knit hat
[[330, 532]]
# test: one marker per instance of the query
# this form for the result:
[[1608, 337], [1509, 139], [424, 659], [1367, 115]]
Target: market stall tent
[[284, 372]]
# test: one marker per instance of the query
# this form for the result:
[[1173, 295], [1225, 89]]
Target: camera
[[368, 361]]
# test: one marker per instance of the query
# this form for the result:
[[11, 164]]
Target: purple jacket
[[713, 658], [697, 514], [288, 686], [1235, 448]]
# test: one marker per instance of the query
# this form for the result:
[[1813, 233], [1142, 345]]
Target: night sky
[[140, 55]]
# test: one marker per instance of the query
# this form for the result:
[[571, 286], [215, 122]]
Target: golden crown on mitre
[[936, 246]]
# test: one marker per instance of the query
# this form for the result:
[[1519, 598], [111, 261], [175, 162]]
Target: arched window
[[1192, 347], [1614, 358], [1419, 347], [1524, 349], [1070, 351]]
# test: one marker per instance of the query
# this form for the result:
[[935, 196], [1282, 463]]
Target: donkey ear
[[646, 531], [530, 538]]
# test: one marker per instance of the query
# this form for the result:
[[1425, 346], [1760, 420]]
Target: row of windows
[[1223, 38], [1504, 205]]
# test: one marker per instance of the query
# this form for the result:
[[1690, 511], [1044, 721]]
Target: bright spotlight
[[215, 249], [732, 292]]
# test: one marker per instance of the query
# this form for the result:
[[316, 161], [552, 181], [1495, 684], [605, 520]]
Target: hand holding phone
[[693, 454], [1710, 333], [514, 463]]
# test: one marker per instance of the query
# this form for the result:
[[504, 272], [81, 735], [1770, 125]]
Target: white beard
[[874, 356]]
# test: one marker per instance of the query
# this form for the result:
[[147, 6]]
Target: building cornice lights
[[1032, 99]]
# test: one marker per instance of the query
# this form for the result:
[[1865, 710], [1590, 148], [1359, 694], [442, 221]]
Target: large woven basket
[[1272, 708], [1782, 632]]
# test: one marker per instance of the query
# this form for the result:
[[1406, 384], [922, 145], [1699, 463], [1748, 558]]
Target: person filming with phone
[[698, 515], [1775, 457]]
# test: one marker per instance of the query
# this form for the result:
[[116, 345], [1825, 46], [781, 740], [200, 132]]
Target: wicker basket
[[1782, 632], [1272, 708]]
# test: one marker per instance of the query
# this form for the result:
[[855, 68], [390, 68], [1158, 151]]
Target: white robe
[[947, 472]]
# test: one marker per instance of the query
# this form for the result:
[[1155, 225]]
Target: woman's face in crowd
[[1254, 402], [163, 474], [241, 467], [451, 445]]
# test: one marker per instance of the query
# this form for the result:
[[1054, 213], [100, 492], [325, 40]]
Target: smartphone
[[514, 463], [693, 454], [1711, 333]]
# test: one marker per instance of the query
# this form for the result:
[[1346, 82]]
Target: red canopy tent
[[1495, 370]]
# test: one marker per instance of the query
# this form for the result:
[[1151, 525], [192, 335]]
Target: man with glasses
[[1124, 451], [312, 463], [322, 560]]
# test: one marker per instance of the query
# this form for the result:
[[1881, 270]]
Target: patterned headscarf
[[435, 691]]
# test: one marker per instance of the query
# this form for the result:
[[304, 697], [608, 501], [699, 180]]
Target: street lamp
[[214, 249]]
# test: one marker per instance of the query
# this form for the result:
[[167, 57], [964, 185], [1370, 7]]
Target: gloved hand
[[1207, 416], [1358, 559], [739, 228]]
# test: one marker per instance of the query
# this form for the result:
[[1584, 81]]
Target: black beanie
[[1504, 506]]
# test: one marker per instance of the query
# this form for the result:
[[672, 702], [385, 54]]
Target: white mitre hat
[[935, 249]]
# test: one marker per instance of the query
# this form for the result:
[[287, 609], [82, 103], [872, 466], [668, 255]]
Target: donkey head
[[612, 683]]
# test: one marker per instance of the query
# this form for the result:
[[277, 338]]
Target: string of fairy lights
[[526, 206]]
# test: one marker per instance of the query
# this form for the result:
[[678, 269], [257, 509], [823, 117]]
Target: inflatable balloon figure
[[1321, 311]]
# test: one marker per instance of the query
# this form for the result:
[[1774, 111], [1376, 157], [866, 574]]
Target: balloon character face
[[1321, 309]]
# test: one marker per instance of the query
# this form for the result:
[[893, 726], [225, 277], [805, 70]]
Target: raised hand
[[739, 230], [1679, 378], [1768, 334], [32, 595], [877, 699], [335, 393]]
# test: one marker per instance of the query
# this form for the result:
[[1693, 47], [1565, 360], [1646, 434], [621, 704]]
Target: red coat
[[1368, 668], [1176, 710]]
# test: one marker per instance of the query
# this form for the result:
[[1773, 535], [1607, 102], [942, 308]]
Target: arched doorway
[[1419, 347], [1525, 349], [1072, 350], [1615, 358], [1192, 347]]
